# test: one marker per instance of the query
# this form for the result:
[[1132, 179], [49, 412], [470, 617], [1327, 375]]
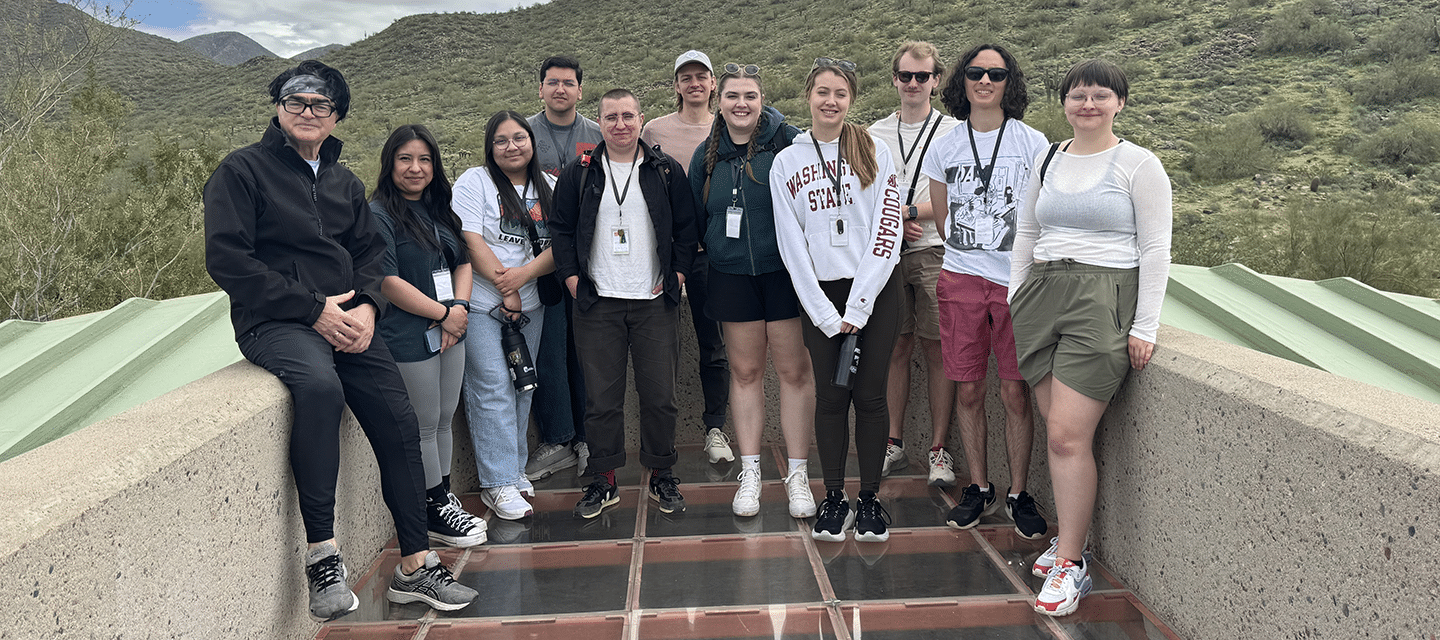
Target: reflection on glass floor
[[636, 573]]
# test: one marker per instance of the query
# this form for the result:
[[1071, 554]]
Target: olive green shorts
[[1073, 320]]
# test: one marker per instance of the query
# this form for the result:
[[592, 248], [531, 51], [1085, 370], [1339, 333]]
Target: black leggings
[[832, 403], [322, 381]]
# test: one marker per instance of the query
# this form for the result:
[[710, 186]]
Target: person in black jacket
[[289, 236], [623, 234]]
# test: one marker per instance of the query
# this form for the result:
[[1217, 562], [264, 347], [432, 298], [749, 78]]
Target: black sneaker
[[665, 491], [973, 504], [834, 519], [330, 596], [453, 525], [1028, 522], [870, 519], [598, 495]]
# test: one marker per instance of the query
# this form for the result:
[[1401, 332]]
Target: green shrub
[[1409, 38], [1234, 150], [1412, 141], [1397, 83], [1284, 124], [1146, 14], [1306, 27]]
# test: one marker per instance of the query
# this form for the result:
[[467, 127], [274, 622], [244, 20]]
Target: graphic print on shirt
[[514, 232], [984, 221]]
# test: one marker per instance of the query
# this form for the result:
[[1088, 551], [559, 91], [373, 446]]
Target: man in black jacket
[[289, 237], [623, 234]]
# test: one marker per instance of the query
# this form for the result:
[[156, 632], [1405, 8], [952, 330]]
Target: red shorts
[[974, 320]]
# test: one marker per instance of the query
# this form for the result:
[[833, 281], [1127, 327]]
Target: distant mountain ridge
[[228, 47], [317, 52]]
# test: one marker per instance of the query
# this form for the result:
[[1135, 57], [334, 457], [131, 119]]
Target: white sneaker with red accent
[[942, 468], [1042, 565], [1064, 587]]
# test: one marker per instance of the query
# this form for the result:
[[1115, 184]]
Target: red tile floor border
[[709, 574]]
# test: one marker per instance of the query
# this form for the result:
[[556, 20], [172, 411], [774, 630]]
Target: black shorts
[[742, 298]]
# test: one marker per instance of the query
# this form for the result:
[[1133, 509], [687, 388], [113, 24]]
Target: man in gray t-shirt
[[561, 133]]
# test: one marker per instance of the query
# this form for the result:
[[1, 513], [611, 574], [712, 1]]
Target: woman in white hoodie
[[837, 220]]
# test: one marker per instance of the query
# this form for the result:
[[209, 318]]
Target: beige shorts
[[919, 270], [1073, 320]]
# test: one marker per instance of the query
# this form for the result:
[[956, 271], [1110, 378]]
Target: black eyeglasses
[[318, 109], [919, 76], [843, 65], [737, 70], [997, 74]]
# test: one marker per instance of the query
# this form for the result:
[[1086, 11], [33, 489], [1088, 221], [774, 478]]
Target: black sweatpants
[[832, 403], [321, 382]]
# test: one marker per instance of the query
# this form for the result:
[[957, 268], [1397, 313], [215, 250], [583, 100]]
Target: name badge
[[620, 241], [839, 230], [984, 230], [444, 285], [732, 221]]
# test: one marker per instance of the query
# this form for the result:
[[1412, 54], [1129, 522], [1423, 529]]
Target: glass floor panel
[[633, 572]]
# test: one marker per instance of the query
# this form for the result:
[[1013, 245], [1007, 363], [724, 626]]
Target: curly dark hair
[[330, 75], [1015, 100]]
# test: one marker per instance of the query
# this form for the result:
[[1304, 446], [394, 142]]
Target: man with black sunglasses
[[980, 171], [678, 135], [909, 132]]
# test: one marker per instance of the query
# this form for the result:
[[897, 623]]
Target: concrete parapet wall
[[1240, 496], [1245, 496]]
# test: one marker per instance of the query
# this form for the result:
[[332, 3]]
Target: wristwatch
[[462, 303], [911, 212]]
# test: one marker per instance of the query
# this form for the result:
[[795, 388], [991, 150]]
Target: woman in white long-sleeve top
[[837, 220], [1091, 260]]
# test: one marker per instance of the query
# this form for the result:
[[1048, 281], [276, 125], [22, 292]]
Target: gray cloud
[[288, 27]]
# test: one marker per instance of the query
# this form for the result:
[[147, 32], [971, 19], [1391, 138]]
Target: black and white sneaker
[[974, 503], [1028, 521], [432, 584], [871, 519], [330, 596], [598, 495], [453, 525], [665, 491], [834, 519]]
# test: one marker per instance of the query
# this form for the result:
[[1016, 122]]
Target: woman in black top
[[425, 266]]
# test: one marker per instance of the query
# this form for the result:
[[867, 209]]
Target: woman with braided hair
[[750, 291]]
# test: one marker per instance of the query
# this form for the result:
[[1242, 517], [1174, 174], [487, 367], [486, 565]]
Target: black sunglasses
[[997, 74], [843, 65], [735, 69], [920, 76]]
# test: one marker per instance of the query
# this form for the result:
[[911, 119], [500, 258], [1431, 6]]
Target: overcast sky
[[288, 27]]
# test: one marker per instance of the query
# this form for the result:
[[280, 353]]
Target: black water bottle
[[848, 362], [517, 353]]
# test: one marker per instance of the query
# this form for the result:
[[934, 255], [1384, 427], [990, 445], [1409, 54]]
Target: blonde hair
[[856, 145]]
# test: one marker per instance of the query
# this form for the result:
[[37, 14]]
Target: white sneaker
[[524, 486], [1042, 565], [1064, 587], [506, 502], [582, 458], [747, 497], [797, 487], [942, 468], [717, 446], [895, 459]]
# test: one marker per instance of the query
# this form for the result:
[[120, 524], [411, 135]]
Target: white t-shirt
[[912, 136], [623, 262], [980, 227], [477, 201]]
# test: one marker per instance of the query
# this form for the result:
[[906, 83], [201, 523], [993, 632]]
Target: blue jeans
[[560, 400], [497, 415]]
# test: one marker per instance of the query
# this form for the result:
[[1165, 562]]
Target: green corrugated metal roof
[[58, 376], [1340, 325]]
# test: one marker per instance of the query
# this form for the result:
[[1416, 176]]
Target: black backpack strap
[[1054, 146]]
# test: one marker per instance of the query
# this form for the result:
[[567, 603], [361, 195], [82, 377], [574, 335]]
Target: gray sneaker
[[547, 459], [431, 584], [330, 596], [582, 458]]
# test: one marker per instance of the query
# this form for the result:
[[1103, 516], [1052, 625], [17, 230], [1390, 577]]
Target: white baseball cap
[[693, 56]]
